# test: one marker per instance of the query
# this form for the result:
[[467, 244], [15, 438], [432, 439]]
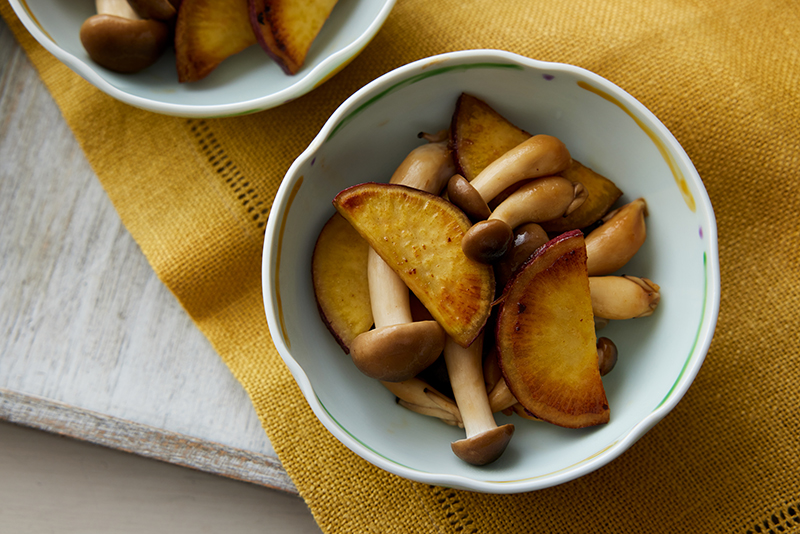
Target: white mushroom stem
[[398, 348], [540, 155], [387, 292], [465, 369], [427, 167], [429, 411], [485, 441], [541, 200], [610, 246], [501, 398], [623, 297], [119, 8], [419, 397], [419, 393]]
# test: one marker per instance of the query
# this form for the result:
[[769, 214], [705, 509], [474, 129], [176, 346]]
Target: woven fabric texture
[[723, 75]]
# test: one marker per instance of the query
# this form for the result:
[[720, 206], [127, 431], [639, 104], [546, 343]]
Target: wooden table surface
[[92, 344]]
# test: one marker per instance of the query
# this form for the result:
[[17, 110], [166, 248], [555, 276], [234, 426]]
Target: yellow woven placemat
[[722, 75]]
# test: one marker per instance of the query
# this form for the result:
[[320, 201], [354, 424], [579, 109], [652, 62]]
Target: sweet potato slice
[[545, 337], [419, 236]]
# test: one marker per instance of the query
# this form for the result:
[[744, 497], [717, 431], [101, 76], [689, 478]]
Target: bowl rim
[[309, 81], [694, 360]]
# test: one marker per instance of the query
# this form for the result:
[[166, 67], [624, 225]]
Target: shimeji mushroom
[[527, 238], [485, 441], [623, 297], [465, 196], [420, 397], [540, 200], [119, 40], [500, 397], [540, 155], [537, 157], [606, 355], [613, 244], [398, 348]]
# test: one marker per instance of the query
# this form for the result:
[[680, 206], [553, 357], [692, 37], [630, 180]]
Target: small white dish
[[245, 83], [606, 129]]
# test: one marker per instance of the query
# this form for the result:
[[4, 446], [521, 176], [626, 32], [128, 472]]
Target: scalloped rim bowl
[[245, 83], [606, 129]]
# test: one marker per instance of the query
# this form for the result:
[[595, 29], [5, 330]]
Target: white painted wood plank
[[155, 443], [52, 484], [84, 321]]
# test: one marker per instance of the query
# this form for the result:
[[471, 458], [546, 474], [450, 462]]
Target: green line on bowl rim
[[412, 80], [696, 336], [551, 473], [500, 482], [358, 440]]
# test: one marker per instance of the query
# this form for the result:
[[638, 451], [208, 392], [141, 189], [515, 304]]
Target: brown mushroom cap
[[466, 197], [124, 45], [398, 352], [487, 241], [154, 9], [606, 355], [527, 238], [484, 448]]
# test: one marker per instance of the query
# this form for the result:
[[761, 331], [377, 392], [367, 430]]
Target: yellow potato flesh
[[546, 339], [339, 273], [480, 135], [419, 236], [287, 28], [208, 32]]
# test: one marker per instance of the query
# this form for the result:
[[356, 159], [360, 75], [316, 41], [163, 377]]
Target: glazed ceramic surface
[[245, 83], [604, 128]]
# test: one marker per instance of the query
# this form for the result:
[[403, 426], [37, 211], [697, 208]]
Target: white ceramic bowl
[[604, 128], [245, 83]]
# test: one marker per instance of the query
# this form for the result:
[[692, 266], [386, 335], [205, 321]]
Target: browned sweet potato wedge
[[286, 28], [480, 135], [208, 32], [339, 274], [419, 236], [546, 343]]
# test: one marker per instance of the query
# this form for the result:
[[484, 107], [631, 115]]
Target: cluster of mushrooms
[[128, 36], [400, 351]]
